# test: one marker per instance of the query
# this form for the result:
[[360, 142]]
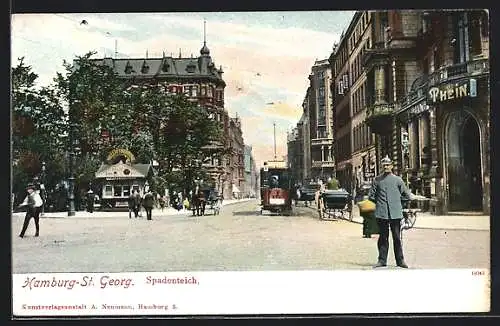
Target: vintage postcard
[[242, 163]]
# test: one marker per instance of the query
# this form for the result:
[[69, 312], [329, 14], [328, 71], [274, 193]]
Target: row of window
[[359, 30], [343, 148], [362, 137], [196, 90], [358, 99], [118, 190], [322, 132]]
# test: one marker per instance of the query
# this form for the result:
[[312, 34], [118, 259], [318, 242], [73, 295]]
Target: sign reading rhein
[[447, 92]]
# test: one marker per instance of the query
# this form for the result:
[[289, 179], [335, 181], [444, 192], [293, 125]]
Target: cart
[[333, 203], [308, 193], [213, 201]]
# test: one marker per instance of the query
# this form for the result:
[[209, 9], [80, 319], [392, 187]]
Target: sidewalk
[[426, 220], [156, 211]]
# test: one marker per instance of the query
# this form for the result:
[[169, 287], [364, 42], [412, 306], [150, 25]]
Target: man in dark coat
[[90, 201], [387, 192], [132, 206], [148, 203]]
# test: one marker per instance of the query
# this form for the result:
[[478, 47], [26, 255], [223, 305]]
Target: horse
[[199, 202]]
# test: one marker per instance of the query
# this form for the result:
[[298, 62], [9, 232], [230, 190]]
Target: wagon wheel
[[349, 211]]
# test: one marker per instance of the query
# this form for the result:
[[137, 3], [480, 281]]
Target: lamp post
[[405, 150], [43, 191], [73, 143]]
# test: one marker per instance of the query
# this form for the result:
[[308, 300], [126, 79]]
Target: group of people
[[135, 201]]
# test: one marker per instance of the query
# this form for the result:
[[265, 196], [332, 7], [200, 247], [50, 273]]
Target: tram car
[[276, 189]]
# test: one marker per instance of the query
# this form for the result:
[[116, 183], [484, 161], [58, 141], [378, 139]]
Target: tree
[[39, 124]]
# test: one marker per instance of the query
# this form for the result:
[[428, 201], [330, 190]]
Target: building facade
[[320, 99], [250, 173], [293, 153], [305, 131], [199, 79], [444, 119], [414, 85], [234, 183], [341, 111]]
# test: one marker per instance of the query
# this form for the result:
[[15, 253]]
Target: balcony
[[321, 141], [470, 69], [379, 117], [377, 54], [323, 164]]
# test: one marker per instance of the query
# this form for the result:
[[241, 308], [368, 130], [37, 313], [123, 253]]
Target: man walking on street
[[148, 203], [90, 201], [132, 207], [387, 192], [34, 203]]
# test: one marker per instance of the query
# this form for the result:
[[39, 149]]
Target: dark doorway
[[464, 163]]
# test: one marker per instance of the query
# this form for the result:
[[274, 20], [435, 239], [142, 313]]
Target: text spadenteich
[[171, 280]]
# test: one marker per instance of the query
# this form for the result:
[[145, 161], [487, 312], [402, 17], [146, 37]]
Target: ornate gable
[[119, 170]]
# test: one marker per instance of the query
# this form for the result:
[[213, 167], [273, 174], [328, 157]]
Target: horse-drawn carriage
[[333, 203], [205, 197]]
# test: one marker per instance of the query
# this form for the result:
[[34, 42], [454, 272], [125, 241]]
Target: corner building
[[445, 117], [200, 80]]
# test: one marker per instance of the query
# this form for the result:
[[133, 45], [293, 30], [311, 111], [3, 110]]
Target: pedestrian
[[161, 200], [367, 211], [387, 192], [132, 206], [137, 203], [297, 195], [90, 201], [34, 203], [148, 203]]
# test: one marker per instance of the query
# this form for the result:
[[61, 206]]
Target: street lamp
[[43, 192], [405, 150], [73, 144]]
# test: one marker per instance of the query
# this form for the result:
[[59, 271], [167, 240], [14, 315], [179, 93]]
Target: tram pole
[[274, 127]]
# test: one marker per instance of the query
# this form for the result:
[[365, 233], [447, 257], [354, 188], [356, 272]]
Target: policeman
[[387, 192]]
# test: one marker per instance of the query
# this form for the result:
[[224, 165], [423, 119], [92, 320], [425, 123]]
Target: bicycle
[[408, 221]]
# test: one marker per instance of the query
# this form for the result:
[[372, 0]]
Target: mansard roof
[[166, 67]]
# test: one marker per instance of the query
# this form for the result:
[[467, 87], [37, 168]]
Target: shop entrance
[[463, 162]]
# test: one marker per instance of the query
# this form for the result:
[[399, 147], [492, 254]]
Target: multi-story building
[[391, 66], [235, 180], [293, 153], [304, 127], [320, 99], [443, 122], [249, 165], [341, 110], [362, 141], [198, 78]]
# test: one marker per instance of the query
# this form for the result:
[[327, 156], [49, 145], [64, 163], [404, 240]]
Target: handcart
[[333, 203]]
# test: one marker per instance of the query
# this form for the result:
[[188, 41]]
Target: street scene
[[238, 239], [218, 142]]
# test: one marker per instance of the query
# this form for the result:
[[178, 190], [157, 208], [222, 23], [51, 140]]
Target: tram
[[276, 189]]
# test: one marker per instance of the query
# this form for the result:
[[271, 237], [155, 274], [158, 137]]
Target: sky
[[266, 56]]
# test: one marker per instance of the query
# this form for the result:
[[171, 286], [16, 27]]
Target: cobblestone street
[[237, 239]]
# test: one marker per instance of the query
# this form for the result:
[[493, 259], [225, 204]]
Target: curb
[[48, 215], [420, 227]]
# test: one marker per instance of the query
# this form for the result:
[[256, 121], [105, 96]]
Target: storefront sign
[[369, 175], [419, 108], [444, 93], [120, 152]]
